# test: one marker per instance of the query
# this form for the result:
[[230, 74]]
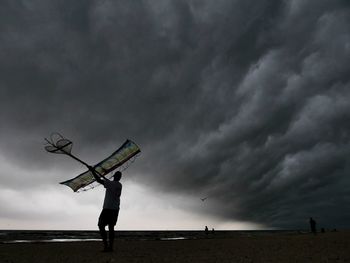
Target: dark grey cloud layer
[[247, 102]]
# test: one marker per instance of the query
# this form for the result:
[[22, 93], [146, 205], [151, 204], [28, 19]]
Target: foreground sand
[[327, 247]]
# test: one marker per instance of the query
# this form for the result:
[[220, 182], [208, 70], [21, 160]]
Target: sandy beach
[[326, 247]]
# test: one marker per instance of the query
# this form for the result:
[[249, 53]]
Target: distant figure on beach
[[206, 230], [213, 231], [313, 225], [110, 211]]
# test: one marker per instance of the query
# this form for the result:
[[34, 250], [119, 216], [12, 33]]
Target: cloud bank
[[247, 103]]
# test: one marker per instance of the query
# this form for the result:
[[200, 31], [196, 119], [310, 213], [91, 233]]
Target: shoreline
[[323, 247], [13, 236]]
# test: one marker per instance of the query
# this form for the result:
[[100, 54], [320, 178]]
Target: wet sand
[[327, 247]]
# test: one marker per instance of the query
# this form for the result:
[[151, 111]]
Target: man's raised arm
[[97, 177]]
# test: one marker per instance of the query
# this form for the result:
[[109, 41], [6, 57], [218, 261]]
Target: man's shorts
[[108, 217]]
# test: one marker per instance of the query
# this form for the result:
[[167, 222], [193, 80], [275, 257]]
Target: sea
[[38, 236]]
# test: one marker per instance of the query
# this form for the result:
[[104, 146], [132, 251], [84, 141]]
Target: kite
[[85, 181]]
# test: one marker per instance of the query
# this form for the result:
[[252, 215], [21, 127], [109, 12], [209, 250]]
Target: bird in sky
[[203, 199]]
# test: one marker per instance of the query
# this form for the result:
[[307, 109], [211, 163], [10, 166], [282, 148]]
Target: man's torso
[[112, 196]]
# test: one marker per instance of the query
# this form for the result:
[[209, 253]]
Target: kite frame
[[121, 167], [124, 164]]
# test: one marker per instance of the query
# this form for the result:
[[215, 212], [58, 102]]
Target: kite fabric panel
[[119, 157]]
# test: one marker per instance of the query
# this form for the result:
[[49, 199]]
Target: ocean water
[[32, 236]]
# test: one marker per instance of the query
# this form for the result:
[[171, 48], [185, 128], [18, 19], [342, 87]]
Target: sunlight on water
[[173, 238], [52, 240]]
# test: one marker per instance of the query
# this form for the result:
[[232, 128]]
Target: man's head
[[117, 176]]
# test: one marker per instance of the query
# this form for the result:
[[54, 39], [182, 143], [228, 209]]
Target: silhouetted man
[[313, 225], [110, 211]]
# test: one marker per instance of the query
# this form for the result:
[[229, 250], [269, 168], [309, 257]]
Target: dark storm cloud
[[247, 102]]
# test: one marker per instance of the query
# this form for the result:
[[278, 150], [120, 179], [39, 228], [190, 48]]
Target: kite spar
[[120, 159]]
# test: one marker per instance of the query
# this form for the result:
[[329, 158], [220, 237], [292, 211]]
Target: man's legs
[[107, 217], [103, 235], [111, 236], [101, 227]]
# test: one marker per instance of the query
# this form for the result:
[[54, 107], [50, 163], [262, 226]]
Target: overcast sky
[[244, 102]]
